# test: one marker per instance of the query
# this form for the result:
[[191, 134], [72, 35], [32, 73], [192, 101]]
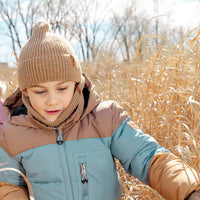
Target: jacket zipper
[[84, 180], [59, 137], [64, 163]]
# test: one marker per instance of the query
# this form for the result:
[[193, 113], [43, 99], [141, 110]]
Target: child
[[63, 137]]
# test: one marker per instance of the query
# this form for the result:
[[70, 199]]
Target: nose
[[52, 99]]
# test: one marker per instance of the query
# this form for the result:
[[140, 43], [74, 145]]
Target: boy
[[63, 137]]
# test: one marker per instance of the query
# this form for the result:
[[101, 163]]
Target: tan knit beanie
[[46, 57]]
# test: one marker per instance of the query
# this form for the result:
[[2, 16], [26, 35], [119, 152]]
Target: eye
[[62, 88], [40, 92]]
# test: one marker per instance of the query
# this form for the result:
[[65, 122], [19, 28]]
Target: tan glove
[[194, 196]]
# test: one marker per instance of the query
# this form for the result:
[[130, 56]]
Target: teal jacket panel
[[8, 175], [134, 150]]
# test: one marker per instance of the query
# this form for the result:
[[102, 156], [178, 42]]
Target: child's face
[[51, 98]]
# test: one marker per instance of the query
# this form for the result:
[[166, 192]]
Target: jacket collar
[[89, 99]]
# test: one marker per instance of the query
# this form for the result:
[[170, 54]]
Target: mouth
[[53, 112]]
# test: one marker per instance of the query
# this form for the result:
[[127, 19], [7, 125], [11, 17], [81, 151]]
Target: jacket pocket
[[100, 177], [83, 177]]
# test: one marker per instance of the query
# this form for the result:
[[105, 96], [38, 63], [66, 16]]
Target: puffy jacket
[[76, 160]]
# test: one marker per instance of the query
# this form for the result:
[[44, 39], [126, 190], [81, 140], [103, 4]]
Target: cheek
[[67, 98], [36, 103]]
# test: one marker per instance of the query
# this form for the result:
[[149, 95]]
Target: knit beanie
[[46, 57]]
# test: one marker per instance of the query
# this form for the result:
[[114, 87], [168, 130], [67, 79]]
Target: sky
[[182, 12], [178, 12]]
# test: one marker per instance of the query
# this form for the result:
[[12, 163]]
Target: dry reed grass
[[161, 93]]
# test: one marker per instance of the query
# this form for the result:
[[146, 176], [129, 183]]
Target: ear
[[25, 93]]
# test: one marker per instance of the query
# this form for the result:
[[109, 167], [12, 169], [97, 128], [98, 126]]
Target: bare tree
[[80, 20], [155, 2], [87, 24], [89, 27], [56, 12], [18, 16], [127, 29]]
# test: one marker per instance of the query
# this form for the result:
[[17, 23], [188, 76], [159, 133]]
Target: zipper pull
[[84, 178], [59, 139]]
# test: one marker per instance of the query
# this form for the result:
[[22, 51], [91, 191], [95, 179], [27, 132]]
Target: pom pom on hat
[[46, 57]]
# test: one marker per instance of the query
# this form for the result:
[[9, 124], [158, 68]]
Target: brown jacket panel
[[171, 177]]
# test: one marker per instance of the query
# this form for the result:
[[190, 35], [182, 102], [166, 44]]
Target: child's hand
[[194, 196]]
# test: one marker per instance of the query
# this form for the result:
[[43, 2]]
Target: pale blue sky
[[179, 12]]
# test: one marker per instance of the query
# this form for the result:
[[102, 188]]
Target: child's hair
[[47, 57]]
